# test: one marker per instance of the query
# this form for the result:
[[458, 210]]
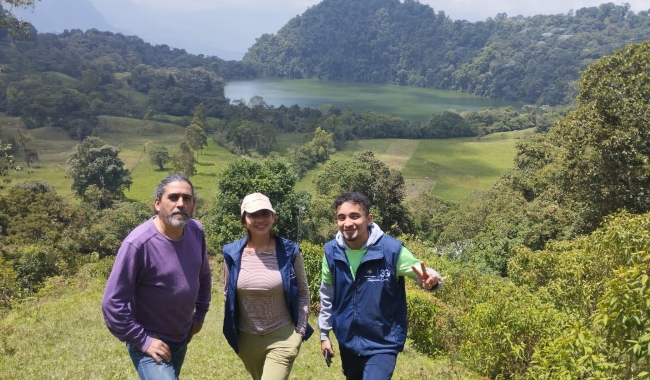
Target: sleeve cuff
[[324, 335]]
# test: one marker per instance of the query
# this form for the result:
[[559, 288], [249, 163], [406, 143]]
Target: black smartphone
[[328, 359]]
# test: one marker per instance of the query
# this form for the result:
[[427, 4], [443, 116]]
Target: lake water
[[411, 103]]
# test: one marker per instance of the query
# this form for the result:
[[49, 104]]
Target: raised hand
[[428, 278]]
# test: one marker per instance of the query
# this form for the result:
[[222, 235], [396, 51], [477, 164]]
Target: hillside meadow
[[60, 334], [450, 168]]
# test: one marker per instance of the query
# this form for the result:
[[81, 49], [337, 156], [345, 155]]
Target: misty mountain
[[226, 33], [55, 16]]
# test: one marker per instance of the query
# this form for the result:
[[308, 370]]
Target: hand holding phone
[[328, 359]]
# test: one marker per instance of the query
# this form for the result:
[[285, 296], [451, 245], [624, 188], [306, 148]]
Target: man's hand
[[196, 327], [326, 345], [159, 349], [427, 278]]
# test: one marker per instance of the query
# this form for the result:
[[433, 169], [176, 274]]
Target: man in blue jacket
[[363, 298]]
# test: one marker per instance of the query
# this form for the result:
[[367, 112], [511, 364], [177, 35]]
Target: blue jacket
[[369, 311], [232, 258]]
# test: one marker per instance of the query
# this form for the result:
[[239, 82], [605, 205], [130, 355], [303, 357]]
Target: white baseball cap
[[255, 202]]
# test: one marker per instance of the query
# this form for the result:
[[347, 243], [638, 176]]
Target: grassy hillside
[[61, 335], [449, 168], [53, 146]]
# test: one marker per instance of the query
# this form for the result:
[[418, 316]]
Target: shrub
[[624, 317], [8, 286], [575, 354], [499, 335], [430, 323], [34, 263], [313, 257]]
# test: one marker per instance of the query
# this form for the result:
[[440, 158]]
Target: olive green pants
[[270, 356]]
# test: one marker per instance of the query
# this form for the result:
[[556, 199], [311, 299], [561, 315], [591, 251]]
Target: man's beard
[[174, 220]]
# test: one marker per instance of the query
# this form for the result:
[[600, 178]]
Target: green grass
[[453, 168], [450, 168], [285, 141], [53, 146], [61, 335]]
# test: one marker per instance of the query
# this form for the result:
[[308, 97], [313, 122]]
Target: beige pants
[[270, 356]]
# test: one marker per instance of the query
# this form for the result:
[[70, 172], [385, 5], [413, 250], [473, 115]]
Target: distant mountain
[[55, 16], [227, 33]]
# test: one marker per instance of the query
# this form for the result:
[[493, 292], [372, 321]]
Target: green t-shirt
[[354, 257]]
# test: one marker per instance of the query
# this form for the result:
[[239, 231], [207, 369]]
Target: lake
[[412, 103]]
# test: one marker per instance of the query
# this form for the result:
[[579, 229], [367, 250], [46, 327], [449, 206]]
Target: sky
[[471, 10]]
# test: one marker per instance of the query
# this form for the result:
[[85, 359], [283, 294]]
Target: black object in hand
[[328, 359]]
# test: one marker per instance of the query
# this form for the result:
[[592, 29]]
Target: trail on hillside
[[398, 153]]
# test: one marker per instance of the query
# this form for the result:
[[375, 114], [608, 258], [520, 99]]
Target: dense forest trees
[[593, 163], [68, 79], [529, 59]]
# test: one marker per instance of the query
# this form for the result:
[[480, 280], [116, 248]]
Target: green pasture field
[[61, 335], [285, 141], [450, 168], [53, 146]]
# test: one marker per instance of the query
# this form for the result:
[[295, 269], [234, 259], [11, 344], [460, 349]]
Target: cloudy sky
[[228, 28], [242, 21], [472, 10]]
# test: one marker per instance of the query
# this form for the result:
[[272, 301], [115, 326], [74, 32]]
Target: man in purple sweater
[[158, 292]]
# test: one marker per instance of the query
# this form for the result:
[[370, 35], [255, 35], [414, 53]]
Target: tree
[[18, 28], [366, 174], [273, 177], [316, 151], [6, 159], [95, 162], [30, 154], [604, 153], [183, 160], [159, 156], [195, 135], [200, 113]]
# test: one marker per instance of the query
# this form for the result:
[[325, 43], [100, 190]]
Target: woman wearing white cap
[[266, 294]]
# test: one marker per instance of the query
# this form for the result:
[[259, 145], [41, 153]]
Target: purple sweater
[[158, 286]]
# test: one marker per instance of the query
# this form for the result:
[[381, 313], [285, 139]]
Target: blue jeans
[[372, 367], [148, 369]]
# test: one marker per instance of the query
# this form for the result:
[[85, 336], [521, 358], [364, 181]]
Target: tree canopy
[[159, 156], [272, 177], [592, 163], [366, 174], [95, 162]]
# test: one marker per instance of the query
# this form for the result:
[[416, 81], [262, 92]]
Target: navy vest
[[369, 311]]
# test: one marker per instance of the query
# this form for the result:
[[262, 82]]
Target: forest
[[547, 271], [534, 59]]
